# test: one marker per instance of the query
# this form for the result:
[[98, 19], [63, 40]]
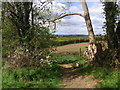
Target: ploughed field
[[71, 48]]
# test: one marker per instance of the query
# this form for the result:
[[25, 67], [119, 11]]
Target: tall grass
[[32, 78], [109, 78]]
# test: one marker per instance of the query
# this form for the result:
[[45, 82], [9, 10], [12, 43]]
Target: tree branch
[[65, 16]]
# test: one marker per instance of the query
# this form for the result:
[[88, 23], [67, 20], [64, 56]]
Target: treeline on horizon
[[72, 39], [74, 35], [71, 35]]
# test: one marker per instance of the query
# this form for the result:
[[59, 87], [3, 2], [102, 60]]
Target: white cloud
[[76, 24], [71, 30], [58, 7], [77, 9], [73, 20], [58, 4], [74, 8]]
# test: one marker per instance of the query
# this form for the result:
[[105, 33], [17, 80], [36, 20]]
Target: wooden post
[[80, 52]]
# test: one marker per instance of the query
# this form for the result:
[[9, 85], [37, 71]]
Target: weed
[[32, 78]]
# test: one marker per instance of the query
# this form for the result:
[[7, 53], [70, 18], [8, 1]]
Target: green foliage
[[71, 40], [110, 58], [18, 32], [18, 13], [10, 38], [47, 77], [100, 38], [24, 45], [111, 12], [38, 48], [109, 78], [42, 38], [56, 58], [64, 40], [23, 58]]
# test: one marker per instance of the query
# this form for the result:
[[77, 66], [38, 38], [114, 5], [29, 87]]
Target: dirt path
[[73, 79]]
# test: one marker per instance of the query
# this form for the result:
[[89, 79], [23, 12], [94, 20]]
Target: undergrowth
[[109, 78], [32, 78], [49, 77]]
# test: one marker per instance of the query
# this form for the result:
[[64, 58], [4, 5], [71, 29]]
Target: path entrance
[[73, 79]]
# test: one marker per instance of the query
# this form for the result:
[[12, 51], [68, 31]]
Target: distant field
[[65, 40], [71, 40], [72, 44], [71, 48]]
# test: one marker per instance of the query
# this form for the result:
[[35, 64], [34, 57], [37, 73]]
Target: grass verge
[[32, 78], [109, 78]]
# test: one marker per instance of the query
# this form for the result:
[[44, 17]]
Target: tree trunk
[[94, 49], [88, 22]]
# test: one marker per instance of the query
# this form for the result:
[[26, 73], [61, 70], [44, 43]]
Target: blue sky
[[76, 24]]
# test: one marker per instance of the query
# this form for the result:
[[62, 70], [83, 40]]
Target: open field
[[64, 40], [71, 48], [71, 40]]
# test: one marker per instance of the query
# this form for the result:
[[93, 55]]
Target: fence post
[[80, 52]]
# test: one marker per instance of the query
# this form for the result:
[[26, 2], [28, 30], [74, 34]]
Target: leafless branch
[[65, 16]]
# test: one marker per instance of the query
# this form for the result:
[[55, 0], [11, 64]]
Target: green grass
[[32, 78], [64, 59], [109, 77], [49, 77], [64, 40]]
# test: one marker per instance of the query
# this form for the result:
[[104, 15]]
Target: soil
[[71, 48], [73, 79]]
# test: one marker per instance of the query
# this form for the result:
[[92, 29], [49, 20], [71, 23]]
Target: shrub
[[22, 57], [29, 53]]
